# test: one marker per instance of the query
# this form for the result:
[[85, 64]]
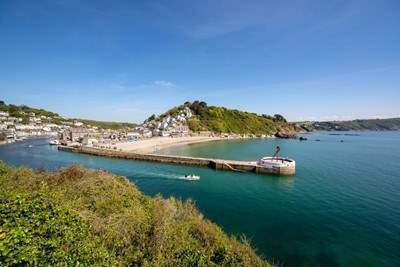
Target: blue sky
[[124, 60]]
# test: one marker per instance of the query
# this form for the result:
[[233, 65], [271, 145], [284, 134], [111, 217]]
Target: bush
[[86, 217], [38, 232]]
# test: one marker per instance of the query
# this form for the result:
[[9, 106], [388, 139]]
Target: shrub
[[88, 217]]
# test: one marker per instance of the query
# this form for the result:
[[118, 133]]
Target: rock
[[285, 135]]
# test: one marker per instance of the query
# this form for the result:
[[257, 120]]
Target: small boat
[[192, 177], [30, 146], [54, 142]]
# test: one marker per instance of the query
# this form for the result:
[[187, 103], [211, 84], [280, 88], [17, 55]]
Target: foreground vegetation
[[88, 217], [224, 120]]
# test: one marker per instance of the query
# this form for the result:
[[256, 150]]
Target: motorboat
[[191, 177], [54, 142]]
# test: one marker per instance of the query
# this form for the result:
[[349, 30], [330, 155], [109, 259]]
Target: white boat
[[275, 162], [54, 142], [192, 177]]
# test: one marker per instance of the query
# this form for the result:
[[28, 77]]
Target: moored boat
[[54, 142]]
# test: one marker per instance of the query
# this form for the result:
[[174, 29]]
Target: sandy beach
[[155, 144]]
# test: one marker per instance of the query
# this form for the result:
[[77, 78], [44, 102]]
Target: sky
[[125, 60]]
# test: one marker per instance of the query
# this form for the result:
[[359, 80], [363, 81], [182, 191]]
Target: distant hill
[[24, 111], [391, 124], [224, 120]]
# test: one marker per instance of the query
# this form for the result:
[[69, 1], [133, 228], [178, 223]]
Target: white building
[[132, 136]]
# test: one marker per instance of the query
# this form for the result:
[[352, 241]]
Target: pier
[[218, 164]]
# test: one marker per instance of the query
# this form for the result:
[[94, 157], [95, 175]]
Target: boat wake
[[168, 176]]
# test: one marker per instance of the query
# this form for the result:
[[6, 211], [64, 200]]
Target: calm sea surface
[[341, 209]]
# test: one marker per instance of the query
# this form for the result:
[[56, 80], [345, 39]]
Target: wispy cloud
[[163, 83]]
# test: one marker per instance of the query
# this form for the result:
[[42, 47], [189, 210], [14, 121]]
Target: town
[[77, 133]]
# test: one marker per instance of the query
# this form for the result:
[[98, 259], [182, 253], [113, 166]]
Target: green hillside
[[23, 112], [223, 120], [107, 124], [390, 124], [86, 217]]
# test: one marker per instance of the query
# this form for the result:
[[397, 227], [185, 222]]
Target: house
[[165, 133], [35, 119], [180, 130], [74, 134], [156, 132], [132, 136], [89, 141], [147, 133]]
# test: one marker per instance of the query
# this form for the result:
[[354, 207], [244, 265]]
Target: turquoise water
[[341, 209]]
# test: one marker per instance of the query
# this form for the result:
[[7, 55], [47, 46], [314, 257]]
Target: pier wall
[[219, 164]]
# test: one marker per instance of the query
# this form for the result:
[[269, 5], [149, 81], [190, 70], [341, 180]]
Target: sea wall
[[220, 164]]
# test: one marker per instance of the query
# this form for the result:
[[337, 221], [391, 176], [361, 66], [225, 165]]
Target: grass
[[224, 120], [23, 112], [86, 217]]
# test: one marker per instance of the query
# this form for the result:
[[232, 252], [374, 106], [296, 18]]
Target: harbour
[[276, 166], [325, 215]]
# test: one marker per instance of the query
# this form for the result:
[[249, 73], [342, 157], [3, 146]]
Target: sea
[[342, 208]]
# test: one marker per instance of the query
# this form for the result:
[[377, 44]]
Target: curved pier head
[[278, 165], [288, 168]]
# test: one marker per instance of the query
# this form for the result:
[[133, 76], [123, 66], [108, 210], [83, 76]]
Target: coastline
[[155, 144]]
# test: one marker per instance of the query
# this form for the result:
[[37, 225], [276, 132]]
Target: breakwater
[[219, 164]]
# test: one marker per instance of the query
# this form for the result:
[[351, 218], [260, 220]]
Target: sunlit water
[[341, 209]]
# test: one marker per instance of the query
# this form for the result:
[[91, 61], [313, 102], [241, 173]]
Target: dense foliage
[[223, 120], [86, 217]]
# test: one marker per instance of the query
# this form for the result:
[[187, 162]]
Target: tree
[[198, 107], [3, 136], [278, 117], [152, 117]]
